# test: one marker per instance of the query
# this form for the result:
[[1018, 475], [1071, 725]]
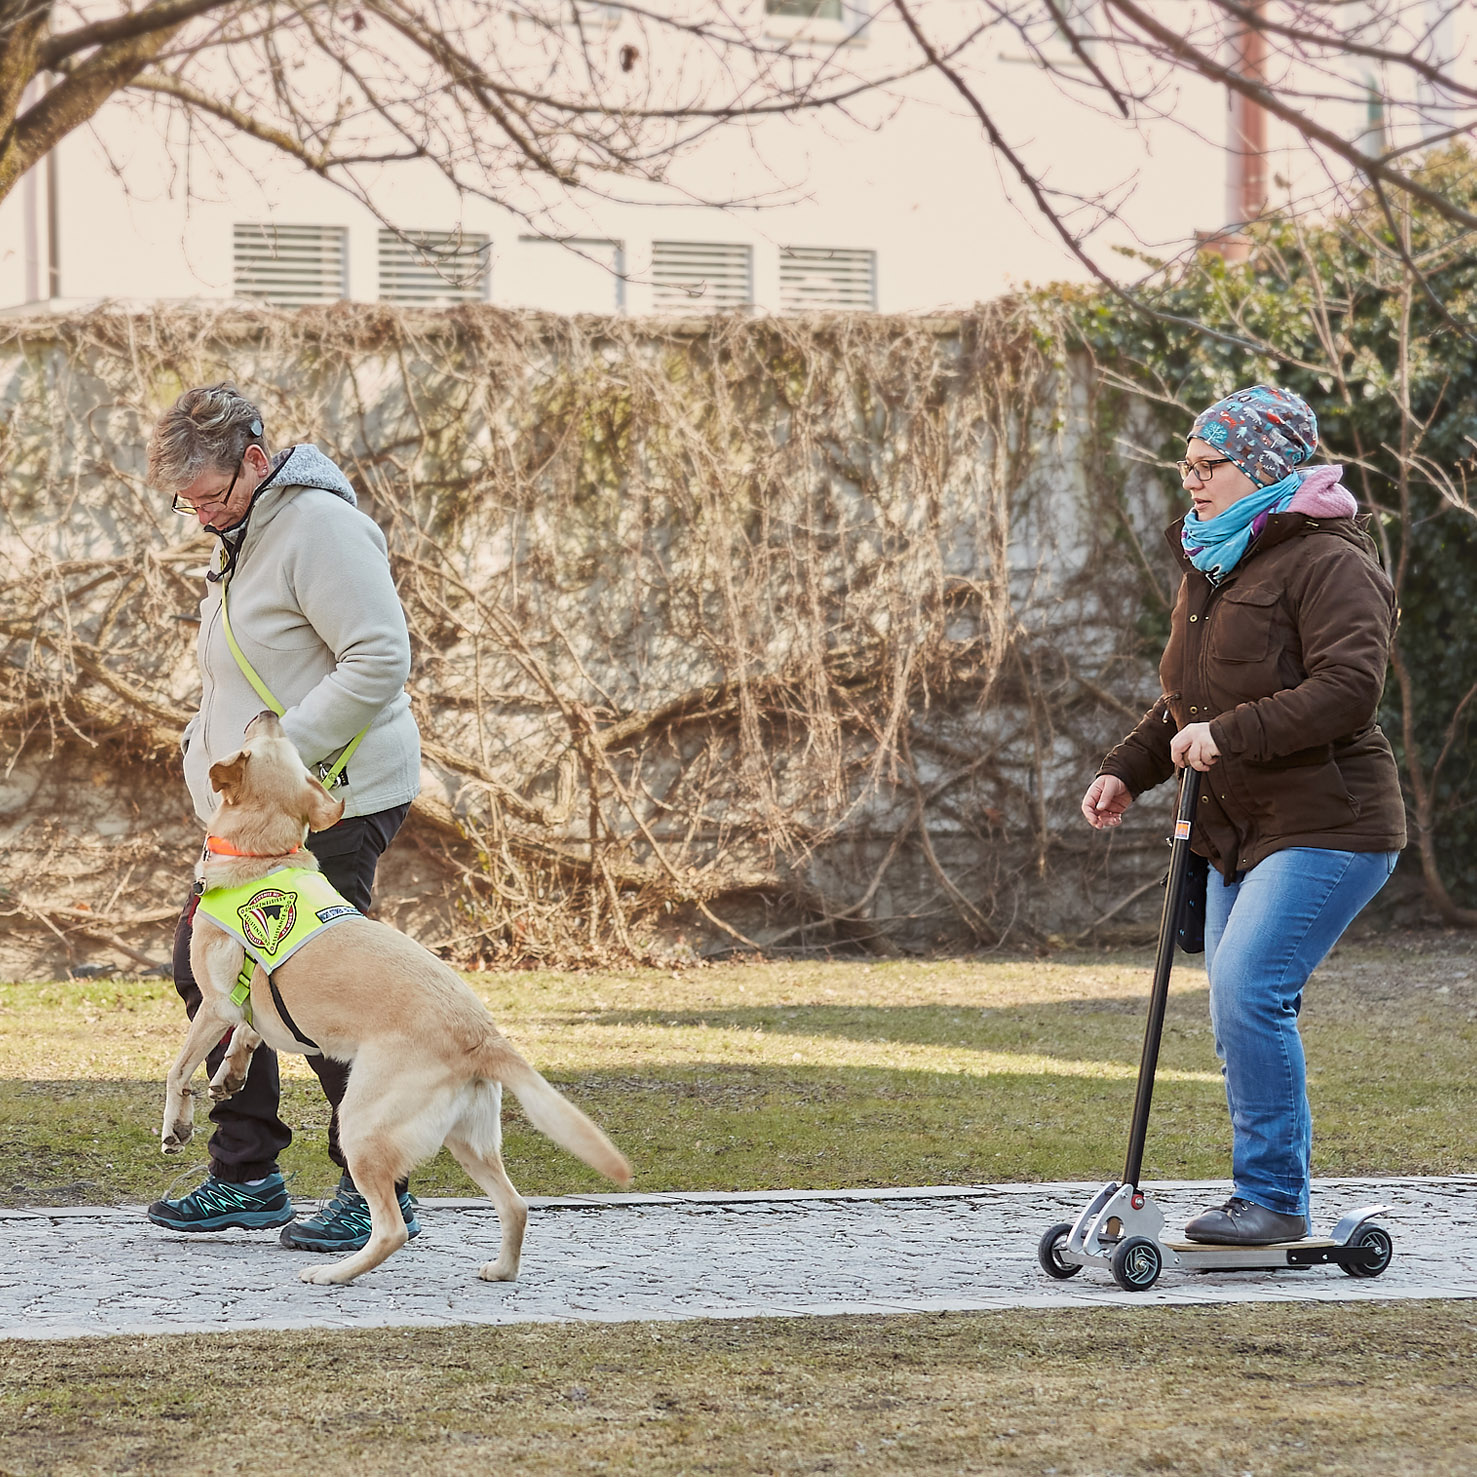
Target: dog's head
[[269, 797]]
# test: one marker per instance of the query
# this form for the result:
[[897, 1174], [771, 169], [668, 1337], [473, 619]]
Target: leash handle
[[329, 777]]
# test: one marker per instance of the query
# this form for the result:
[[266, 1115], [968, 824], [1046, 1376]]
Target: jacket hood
[[293, 467], [1321, 496], [306, 466]]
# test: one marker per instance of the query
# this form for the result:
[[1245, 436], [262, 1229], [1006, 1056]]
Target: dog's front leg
[[230, 1076], [215, 961], [179, 1107]]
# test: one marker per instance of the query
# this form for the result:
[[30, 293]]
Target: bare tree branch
[[1314, 132], [166, 15]]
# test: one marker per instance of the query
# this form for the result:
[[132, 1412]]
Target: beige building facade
[[897, 205]]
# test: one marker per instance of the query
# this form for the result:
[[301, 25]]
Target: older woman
[[1278, 648], [313, 627]]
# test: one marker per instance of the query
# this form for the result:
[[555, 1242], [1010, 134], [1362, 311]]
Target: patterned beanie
[[1266, 432]]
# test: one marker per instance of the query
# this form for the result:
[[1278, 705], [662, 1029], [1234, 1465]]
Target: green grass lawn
[[820, 1076], [1274, 1390], [791, 1075]]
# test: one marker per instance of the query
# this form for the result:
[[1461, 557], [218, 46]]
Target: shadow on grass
[[1093, 1030], [1386, 1100], [684, 1126]]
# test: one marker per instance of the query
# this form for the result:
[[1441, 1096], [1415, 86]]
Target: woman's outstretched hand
[[1193, 746], [1106, 799]]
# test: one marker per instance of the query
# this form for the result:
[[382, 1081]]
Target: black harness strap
[[287, 1019]]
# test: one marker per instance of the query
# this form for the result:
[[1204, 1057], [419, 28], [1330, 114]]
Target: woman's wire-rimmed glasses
[[1201, 471], [189, 509]]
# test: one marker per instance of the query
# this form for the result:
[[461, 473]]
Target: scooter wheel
[[1375, 1241], [1048, 1253], [1136, 1264]]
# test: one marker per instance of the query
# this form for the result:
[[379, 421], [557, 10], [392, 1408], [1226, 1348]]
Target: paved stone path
[[615, 1258]]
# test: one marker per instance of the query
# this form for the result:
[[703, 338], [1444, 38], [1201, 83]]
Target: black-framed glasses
[[183, 505], [1201, 471]]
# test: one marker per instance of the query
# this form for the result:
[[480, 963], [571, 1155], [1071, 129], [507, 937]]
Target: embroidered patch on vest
[[267, 917]]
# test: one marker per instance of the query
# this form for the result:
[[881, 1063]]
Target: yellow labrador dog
[[429, 1065]]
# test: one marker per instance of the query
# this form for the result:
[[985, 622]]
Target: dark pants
[[249, 1132]]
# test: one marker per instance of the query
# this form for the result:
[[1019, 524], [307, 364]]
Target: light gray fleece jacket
[[314, 610]]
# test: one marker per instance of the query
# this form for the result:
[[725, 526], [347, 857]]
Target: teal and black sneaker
[[221, 1206], [343, 1224]]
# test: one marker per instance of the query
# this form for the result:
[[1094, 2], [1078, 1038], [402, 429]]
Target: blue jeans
[[1264, 936]]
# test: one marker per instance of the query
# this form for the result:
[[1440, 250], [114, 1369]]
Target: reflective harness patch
[[272, 918]]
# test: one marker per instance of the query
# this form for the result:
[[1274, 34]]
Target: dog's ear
[[323, 810], [227, 774]]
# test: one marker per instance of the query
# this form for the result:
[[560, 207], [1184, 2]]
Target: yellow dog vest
[[276, 915]]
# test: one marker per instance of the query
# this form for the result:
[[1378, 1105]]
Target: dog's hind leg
[[373, 1166], [476, 1143], [389, 1120]]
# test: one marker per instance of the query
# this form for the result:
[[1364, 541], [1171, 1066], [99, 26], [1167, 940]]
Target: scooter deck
[[1218, 1246], [1310, 1251]]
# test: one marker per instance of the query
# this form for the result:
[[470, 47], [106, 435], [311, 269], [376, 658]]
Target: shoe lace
[[348, 1207], [189, 1172]]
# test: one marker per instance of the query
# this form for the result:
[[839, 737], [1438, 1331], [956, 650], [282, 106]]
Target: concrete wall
[[827, 599]]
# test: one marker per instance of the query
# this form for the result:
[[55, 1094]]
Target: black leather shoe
[[1243, 1223]]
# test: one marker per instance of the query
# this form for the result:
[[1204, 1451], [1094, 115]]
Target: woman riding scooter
[[1279, 644]]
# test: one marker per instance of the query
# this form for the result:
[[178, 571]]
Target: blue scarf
[[1216, 546]]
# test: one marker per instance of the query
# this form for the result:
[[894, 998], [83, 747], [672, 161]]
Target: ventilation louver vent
[[433, 267], [808, 9], [290, 266], [820, 279], [700, 276]]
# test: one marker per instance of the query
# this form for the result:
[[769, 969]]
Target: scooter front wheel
[[1048, 1253], [1136, 1264]]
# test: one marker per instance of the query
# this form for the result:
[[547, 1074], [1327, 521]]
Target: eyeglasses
[[189, 509], [1201, 471]]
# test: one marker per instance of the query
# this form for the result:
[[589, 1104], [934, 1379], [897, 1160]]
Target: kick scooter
[[1122, 1228]]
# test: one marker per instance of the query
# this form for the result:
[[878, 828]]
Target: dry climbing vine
[[744, 631]]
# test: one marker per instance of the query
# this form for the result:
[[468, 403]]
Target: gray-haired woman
[[302, 583]]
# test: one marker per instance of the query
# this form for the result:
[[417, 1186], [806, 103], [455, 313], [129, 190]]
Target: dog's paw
[[498, 1272], [325, 1276], [221, 1090], [174, 1139]]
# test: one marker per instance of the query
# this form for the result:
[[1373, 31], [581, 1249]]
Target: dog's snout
[[270, 724]]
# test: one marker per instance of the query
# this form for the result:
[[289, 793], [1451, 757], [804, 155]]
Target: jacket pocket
[[1242, 629], [1299, 798]]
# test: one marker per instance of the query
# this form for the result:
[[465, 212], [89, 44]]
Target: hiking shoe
[[218, 1205], [342, 1224]]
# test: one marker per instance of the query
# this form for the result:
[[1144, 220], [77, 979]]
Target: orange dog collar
[[215, 846]]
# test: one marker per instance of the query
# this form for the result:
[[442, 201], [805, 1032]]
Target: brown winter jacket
[[1286, 660]]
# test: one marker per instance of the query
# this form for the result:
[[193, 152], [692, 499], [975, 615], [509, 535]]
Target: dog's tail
[[553, 1114]]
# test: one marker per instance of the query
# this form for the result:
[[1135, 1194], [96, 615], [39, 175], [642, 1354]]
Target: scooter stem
[[1174, 895]]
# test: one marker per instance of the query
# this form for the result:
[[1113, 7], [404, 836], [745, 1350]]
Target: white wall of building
[[141, 217]]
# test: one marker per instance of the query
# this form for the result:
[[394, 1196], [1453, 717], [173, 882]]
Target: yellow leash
[[331, 777]]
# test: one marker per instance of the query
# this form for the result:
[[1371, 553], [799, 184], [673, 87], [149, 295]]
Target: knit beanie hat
[[1266, 432]]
